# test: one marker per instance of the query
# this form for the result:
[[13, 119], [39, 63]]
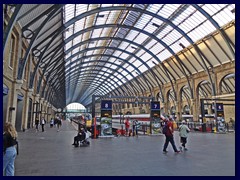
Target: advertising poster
[[106, 118], [106, 126], [156, 126]]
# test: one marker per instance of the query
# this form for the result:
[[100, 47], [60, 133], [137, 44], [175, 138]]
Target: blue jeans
[[8, 161]]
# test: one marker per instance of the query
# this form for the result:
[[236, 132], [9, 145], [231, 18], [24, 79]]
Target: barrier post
[[95, 128]]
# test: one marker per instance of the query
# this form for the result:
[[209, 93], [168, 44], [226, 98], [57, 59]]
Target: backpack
[[165, 127]]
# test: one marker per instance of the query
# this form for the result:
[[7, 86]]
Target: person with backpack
[[183, 133], [169, 135]]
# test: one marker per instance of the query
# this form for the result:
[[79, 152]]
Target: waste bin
[[204, 127]]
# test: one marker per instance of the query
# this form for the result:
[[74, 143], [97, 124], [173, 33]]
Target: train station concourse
[[118, 74]]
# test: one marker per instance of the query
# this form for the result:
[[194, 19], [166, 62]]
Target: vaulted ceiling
[[120, 49]]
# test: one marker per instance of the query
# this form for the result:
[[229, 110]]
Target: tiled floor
[[51, 153]]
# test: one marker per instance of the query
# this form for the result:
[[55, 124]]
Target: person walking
[[137, 127], [59, 123], [9, 149], [37, 123], [127, 126], [183, 133], [51, 123], [43, 122], [169, 136]]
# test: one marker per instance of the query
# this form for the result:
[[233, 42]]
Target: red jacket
[[169, 132], [127, 124]]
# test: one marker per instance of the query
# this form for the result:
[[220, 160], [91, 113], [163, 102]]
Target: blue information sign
[[106, 105], [155, 105]]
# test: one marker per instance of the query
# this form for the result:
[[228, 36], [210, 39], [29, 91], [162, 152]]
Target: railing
[[210, 126]]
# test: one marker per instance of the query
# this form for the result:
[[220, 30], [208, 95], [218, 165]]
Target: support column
[[36, 115], [26, 108], [193, 110], [41, 101], [12, 113], [45, 107], [179, 110]]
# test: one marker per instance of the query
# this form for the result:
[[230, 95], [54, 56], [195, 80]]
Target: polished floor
[[51, 153]]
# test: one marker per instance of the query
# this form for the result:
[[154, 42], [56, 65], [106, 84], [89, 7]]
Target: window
[[27, 68], [12, 51]]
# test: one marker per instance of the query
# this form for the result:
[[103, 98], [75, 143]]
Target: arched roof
[[104, 49]]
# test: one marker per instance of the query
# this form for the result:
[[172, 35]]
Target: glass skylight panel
[[96, 33], [176, 48], [124, 55], [100, 21], [68, 45], [164, 31], [221, 18], [211, 9], [111, 66], [184, 42], [100, 72], [108, 5], [194, 35], [69, 9], [124, 73], [105, 32], [186, 26], [66, 63], [196, 19], [81, 8], [67, 55], [154, 8], [89, 53], [68, 34], [150, 64], [79, 25], [171, 37], [130, 49], [140, 53], [119, 76], [126, 65], [228, 14], [104, 69], [75, 50], [149, 60], [74, 58], [113, 60], [131, 35], [184, 15], [141, 38], [143, 21], [132, 60], [112, 17], [151, 43], [150, 28], [207, 27], [156, 22], [143, 68], [124, 45], [164, 55], [156, 48], [168, 10], [137, 63]]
